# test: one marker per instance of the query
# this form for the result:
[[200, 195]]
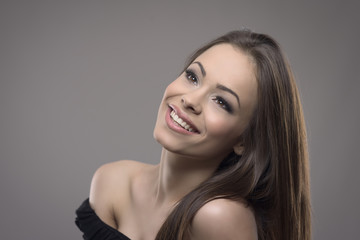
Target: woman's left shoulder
[[224, 219]]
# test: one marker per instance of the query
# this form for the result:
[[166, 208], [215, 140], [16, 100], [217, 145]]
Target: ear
[[239, 148]]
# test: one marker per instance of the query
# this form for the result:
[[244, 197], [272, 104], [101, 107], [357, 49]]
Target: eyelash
[[191, 76], [193, 79], [223, 104]]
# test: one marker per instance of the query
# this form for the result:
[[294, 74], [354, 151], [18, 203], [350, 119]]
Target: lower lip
[[174, 126]]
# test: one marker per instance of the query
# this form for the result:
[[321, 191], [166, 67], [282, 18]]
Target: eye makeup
[[192, 77]]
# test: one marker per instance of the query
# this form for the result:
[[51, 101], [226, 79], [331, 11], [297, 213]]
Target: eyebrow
[[219, 86], [201, 68], [226, 89]]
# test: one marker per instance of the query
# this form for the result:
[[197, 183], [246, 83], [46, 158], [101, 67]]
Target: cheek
[[221, 126], [174, 88], [171, 90]]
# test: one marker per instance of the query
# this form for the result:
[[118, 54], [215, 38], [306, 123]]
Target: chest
[[141, 218], [141, 222]]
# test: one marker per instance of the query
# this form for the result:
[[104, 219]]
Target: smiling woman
[[234, 160], [207, 96]]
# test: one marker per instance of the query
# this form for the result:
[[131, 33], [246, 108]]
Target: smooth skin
[[218, 94]]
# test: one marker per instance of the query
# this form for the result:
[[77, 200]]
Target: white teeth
[[181, 122]]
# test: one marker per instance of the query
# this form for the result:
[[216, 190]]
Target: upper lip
[[184, 117]]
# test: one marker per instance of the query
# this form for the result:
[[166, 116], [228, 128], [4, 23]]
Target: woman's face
[[214, 99]]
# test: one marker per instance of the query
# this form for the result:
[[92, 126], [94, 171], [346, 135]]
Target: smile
[[180, 122]]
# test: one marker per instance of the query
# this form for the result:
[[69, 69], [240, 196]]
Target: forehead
[[228, 65], [229, 59]]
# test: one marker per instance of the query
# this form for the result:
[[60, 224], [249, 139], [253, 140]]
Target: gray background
[[81, 82]]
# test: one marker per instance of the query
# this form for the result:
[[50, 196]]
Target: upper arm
[[106, 183], [224, 219]]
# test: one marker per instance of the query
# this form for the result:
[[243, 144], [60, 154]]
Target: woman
[[234, 160]]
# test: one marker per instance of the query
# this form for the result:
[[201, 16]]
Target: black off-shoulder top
[[93, 227]]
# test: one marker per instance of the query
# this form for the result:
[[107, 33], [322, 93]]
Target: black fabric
[[93, 227]]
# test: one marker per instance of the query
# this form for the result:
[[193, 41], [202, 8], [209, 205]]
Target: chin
[[162, 138]]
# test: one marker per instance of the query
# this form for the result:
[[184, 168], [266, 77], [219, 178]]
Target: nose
[[191, 103]]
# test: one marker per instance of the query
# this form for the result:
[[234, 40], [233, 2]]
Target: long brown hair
[[272, 175]]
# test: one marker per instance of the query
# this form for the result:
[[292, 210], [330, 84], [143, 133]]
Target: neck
[[179, 175]]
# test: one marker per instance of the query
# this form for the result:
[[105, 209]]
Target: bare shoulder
[[111, 176], [224, 219], [110, 184]]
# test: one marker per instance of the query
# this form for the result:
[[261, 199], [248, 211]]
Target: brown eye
[[223, 104], [191, 76]]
